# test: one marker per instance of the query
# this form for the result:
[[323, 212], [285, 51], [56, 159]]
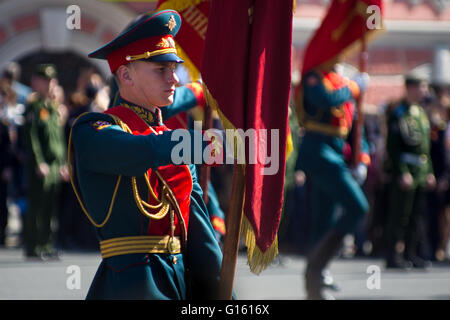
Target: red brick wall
[[26, 22]]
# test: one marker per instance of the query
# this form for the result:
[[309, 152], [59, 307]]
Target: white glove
[[359, 173], [362, 79]]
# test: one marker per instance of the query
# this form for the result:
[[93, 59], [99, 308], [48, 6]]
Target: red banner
[[346, 28], [246, 74], [344, 25], [191, 37]]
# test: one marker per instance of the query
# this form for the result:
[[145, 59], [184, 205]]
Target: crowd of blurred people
[[429, 224], [35, 123]]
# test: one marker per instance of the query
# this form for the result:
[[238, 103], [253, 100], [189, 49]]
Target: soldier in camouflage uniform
[[410, 169], [45, 146]]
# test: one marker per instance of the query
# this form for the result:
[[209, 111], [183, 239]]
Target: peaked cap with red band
[[150, 37]]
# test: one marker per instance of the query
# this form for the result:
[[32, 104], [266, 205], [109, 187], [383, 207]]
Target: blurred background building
[[417, 36]]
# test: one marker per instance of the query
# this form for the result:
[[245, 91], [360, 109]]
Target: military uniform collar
[[151, 118], [409, 104]]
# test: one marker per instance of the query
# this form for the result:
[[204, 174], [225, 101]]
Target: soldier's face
[[418, 92], [40, 85], [423, 90], [154, 82]]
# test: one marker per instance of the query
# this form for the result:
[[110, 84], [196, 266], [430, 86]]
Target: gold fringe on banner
[[188, 64], [298, 106], [225, 122], [256, 259], [289, 145]]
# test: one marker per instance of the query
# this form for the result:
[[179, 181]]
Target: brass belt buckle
[[423, 159], [172, 246]]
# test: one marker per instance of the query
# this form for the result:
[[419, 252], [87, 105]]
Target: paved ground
[[21, 279]]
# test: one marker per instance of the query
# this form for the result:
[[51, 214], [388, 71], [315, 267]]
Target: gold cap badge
[[172, 23]]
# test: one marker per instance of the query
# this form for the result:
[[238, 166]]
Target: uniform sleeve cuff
[[354, 88], [197, 90], [365, 158]]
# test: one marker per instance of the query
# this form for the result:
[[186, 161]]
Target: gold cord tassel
[[69, 165], [164, 205]]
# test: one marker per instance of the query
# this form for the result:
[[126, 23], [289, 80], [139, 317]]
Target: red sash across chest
[[177, 177], [344, 119]]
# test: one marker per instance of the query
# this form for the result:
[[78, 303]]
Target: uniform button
[[174, 260]]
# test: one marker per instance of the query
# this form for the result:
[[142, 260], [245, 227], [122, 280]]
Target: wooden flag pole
[[233, 227], [205, 170], [363, 57]]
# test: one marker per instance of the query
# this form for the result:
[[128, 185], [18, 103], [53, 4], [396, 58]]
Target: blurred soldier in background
[[438, 199], [329, 111], [409, 166], [44, 166], [7, 96], [12, 75]]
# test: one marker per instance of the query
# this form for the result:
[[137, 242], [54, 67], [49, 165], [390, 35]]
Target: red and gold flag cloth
[[191, 37], [246, 76], [341, 31]]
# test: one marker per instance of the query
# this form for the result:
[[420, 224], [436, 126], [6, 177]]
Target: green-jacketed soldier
[[329, 111], [45, 145], [409, 166], [156, 239]]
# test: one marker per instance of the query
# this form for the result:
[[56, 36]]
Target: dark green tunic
[[45, 143], [321, 156], [408, 151], [103, 154]]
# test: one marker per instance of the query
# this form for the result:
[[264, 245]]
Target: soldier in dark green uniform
[[438, 215], [45, 159], [176, 116], [155, 236], [410, 169]]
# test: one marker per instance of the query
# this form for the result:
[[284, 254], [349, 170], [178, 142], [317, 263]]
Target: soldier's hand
[[431, 181], [359, 173], [300, 178], [442, 185], [362, 79], [214, 152], [42, 170], [64, 173], [406, 181], [6, 174]]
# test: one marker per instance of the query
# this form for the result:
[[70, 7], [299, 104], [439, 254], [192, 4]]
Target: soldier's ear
[[124, 76]]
